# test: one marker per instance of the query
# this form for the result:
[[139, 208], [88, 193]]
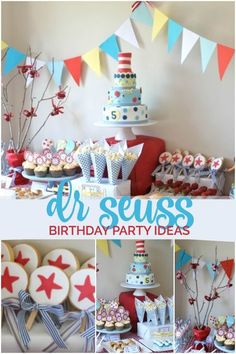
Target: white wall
[[195, 111], [223, 306], [112, 269]]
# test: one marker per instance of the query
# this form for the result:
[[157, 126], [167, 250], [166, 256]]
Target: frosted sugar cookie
[[7, 253], [90, 264], [63, 259], [13, 279], [28, 256], [200, 161], [82, 289]]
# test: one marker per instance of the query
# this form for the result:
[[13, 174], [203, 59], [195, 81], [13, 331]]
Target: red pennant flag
[[74, 67], [228, 266], [224, 54]]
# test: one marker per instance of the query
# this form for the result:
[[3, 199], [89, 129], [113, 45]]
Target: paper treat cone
[[131, 156], [170, 309], [151, 310], [84, 160], [161, 309], [140, 310], [98, 156], [114, 159]]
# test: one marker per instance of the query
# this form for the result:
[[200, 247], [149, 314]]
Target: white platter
[[143, 348]]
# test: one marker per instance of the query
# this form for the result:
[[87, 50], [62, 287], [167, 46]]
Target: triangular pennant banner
[[207, 49], [58, 69], [182, 259], [38, 64], [177, 248], [4, 45], [228, 266], [111, 47], [92, 58], [159, 20], [117, 242], [174, 31], [225, 55], [189, 39], [142, 14], [74, 67], [103, 246], [213, 274], [126, 32], [13, 58]]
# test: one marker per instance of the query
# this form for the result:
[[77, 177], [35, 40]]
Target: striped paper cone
[[113, 168], [85, 163], [99, 165], [127, 167]]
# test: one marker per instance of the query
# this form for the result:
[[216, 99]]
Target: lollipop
[[90, 263], [165, 158], [14, 278], [82, 289], [176, 159], [27, 256], [199, 161], [188, 161], [7, 253], [63, 259], [48, 285], [217, 164]]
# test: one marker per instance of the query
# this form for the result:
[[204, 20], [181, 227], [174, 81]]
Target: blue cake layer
[[140, 268], [124, 96]]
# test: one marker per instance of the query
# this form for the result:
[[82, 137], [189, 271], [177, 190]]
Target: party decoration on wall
[[126, 32], [207, 49], [111, 47], [117, 242], [142, 14], [92, 58], [4, 45], [74, 67], [174, 32], [13, 58], [56, 68], [182, 259], [228, 266], [37, 65], [103, 246], [213, 270], [189, 40], [225, 55], [177, 248], [159, 20]]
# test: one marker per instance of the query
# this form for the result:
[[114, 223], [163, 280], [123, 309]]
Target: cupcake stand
[[222, 348]]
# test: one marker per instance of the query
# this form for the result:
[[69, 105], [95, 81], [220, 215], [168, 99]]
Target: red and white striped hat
[[124, 62], [140, 246]]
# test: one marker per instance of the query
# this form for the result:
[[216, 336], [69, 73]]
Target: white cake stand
[[139, 289], [125, 131]]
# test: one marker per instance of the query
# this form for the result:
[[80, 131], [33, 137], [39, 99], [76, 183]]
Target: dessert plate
[[115, 331], [223, 349], [143, 349]]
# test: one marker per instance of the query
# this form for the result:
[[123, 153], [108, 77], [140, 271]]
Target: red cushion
[[141, 178], [127, 299]]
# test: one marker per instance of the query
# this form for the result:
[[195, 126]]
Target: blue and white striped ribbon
[[28, 305], [10, 306], [15, 170], [76, 318]]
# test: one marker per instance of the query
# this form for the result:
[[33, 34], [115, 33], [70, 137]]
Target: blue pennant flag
[[117, 242], [111, 46], [174, 31], [13, 58], [182, 259], [58, 69], [207, 49], [142, 14], [212, 273]]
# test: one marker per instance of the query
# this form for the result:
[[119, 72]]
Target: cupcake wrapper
[[127, 167], [113, 168], [85, 164], [99, 165]]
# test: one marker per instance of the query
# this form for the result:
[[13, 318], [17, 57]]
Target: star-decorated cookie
[[28, 256], [176, 159], [48, 285], [199, 161], [165, 158], [90, 264], [82, 289], [217, 164], [13, 279], [7, 253], [63, 259], [188, 161]]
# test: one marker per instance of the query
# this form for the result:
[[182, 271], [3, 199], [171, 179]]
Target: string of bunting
[[104, 246], [145, 13], [183, 258]]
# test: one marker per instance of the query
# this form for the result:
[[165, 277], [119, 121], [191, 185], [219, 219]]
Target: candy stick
[[63, 259], [48, 285]]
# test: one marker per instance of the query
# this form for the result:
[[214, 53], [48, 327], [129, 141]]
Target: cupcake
[[99, 324], [70, 169], [56, 171], [41, 171], [119, 326], [220, 340], [127, 323], [109, 326], [229, 344], [29, 168]]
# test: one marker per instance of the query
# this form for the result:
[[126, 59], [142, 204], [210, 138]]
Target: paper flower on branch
[[31, 113], [61, 94], [23, 69], [8, 116], [56, 109]]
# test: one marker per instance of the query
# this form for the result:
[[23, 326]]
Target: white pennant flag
[[38, 64], [189, 39], [126, 32]]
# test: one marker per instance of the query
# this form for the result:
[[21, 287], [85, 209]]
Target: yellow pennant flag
[[177, 248], [92, 58], [159, 19], [103, 246], [4, 45]]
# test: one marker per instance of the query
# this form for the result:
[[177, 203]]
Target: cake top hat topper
[[124, 62], [140, 247]]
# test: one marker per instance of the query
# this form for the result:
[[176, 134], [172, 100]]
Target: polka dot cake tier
[[124, 99], [140, 273]]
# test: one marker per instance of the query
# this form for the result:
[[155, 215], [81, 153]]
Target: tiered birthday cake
[[140, 272], [124, 99]]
